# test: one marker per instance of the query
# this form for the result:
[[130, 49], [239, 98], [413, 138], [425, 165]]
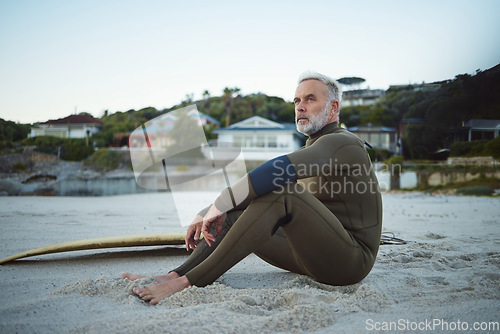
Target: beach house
[[478, 129], [75, 126], [260, 139], [380, 137], [361, 97]]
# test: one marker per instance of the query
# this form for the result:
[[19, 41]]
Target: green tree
[[11, 131]]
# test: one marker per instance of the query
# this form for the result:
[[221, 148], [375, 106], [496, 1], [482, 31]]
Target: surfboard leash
[[388, 238]]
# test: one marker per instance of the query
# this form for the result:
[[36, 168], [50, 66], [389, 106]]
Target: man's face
[[311, 109]]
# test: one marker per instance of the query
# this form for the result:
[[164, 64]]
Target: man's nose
[[300, 107]]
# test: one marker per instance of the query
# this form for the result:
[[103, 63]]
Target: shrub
[[66, 149], [19, 167], [395, 164], [493, 148], [476, 148], [5, 144], [378, 154], [476, 191], [104, 159]]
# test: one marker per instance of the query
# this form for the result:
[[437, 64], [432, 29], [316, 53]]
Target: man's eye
[[310, 99], [296, 101]]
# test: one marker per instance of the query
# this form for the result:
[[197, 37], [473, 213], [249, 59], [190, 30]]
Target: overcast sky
[[60, 56]]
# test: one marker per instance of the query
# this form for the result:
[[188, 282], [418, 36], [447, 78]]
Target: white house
[[74, 126], [260, 139], [168, 119], [361, 97], [159, 126]]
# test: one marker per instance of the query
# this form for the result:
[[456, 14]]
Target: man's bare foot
[[160, 279], [157, 292]]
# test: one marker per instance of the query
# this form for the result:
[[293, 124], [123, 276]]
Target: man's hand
[[213, 216], [193, 233]]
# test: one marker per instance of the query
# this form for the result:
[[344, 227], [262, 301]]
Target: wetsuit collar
[[326, 129]]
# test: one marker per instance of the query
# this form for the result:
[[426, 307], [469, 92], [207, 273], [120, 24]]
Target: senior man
[[316, 211]]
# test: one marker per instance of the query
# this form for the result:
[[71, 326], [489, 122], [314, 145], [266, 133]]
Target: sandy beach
[[446, 277]]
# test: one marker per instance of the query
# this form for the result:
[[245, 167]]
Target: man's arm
[[303, 163]]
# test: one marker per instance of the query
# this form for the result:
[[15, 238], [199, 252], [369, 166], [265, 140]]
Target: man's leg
[[277, 252], [319, 245], [176, 280], [203, 250]]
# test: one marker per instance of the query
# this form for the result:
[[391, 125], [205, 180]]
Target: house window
[[272, 141], [375, 139], [248, 141], [261, 141], [478, 135]]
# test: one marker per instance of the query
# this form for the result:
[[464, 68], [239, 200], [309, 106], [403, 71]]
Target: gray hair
[[334, 91]]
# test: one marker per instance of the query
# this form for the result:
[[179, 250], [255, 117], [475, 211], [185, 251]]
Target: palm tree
[[228, 99], [206, 104]]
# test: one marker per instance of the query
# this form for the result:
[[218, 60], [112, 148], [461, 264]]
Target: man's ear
[[334, 106], [334, 111]]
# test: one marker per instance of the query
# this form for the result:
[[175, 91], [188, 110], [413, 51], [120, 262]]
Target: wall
[[442, 178]]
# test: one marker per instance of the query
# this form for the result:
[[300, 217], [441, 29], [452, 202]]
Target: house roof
[[209, 118], [483, 124], [257, 123], [75, 119], [371, 128], [194, 113]]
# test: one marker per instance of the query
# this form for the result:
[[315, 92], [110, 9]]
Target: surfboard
[[137, 240]]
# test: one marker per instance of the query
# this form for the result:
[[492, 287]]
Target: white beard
[[314, 123]]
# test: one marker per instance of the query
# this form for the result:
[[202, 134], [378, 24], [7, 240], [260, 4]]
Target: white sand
[[449, 270]]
